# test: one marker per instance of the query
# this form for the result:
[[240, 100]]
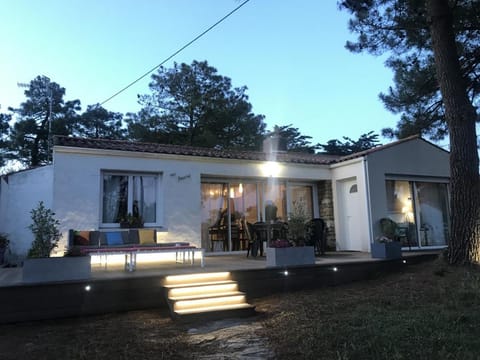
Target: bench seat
[[127, 242]]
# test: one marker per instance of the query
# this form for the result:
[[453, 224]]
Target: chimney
[[274, 143]]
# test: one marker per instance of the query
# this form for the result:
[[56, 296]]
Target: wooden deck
[[113, 289]]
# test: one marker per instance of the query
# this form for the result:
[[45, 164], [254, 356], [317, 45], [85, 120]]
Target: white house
[[184, 191]]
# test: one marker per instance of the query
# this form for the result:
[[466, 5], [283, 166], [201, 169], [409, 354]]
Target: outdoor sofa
[[129, 242]]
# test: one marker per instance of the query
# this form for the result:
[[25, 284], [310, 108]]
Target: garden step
[[205, 283], [213, 295], [175, 280]]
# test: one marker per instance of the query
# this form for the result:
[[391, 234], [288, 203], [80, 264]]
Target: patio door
[[421, 211], [226, 207], [433, 213]]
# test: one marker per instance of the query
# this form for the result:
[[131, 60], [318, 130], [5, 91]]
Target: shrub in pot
[[45, 231]]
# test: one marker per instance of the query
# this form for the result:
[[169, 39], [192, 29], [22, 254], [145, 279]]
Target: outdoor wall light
[[285, 273], [335, 269], [271, 169], [88, 288], [404, 261]]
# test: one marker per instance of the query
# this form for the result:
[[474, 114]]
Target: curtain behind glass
[[301, 195], [115, 198], [144, 192]]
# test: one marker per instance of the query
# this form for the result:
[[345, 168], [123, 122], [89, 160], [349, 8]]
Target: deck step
[[173, 280], [204, 283], [205, 295]]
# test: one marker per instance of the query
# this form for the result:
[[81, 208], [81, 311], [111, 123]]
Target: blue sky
[[290, 55]]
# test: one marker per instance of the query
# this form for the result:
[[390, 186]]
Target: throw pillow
[[114, 238], [81, 238], [146, 236]]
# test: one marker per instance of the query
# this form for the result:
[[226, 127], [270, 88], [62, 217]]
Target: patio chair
[[316, 235], [260, 235], [253, 240]]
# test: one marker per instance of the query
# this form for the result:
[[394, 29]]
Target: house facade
[[186, 192]]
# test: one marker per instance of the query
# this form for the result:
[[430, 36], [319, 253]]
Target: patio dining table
[[266, 232]]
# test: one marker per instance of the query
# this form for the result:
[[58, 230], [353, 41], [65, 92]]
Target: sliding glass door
[[228, 206], [420, 210], [432, 213]]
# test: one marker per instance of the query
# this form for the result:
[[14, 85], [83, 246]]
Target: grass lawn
[[429, 311]]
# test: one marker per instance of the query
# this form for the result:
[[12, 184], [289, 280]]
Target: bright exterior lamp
[[271, 169]]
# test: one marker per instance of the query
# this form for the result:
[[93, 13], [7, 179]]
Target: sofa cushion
[[114, 238], [146, 236], [94, 238], [132, 237], [81, 238]]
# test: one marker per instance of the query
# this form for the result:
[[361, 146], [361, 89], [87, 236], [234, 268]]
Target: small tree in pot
[[45, 231], [39, 267], [297, 223]]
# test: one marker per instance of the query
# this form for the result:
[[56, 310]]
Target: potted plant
[[131, 221], [39, 266], [45, 231], [280, 254], [4, 242], [297, 223], [387, 246]]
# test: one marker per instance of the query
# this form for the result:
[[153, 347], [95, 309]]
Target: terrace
[[112, 289]]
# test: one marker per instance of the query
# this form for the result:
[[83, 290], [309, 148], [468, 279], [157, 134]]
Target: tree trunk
[[464, 245]]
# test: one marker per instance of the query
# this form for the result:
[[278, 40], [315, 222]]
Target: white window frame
[[130, 175]]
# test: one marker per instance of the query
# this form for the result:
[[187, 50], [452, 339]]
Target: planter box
[[390, 250], [290, 256], [56, 269]]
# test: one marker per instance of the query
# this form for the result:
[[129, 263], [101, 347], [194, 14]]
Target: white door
[[349, 216]]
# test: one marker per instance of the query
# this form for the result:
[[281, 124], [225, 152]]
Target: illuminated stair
[[210, 295]]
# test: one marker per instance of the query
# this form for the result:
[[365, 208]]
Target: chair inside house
[[316, 235], [244, 234], [249, 237], [218, 237], [219, 233]]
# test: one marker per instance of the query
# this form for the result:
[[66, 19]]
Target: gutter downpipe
[[369, 208]]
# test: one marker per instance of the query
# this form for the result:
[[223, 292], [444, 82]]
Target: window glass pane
[[401, 210], [433, 210], [275, 201], [301, 200], [249, 203], [399, 201], [144, 197], [115, 198], [214, 216]]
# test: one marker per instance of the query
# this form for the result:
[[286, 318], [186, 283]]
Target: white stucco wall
[[414, 160], [20, 193], [77, 185]]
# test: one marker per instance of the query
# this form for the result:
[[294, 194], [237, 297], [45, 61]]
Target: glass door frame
[[416, 206], [416, 209]]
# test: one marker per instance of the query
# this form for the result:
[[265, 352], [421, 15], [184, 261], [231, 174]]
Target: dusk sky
[[290, 55]]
